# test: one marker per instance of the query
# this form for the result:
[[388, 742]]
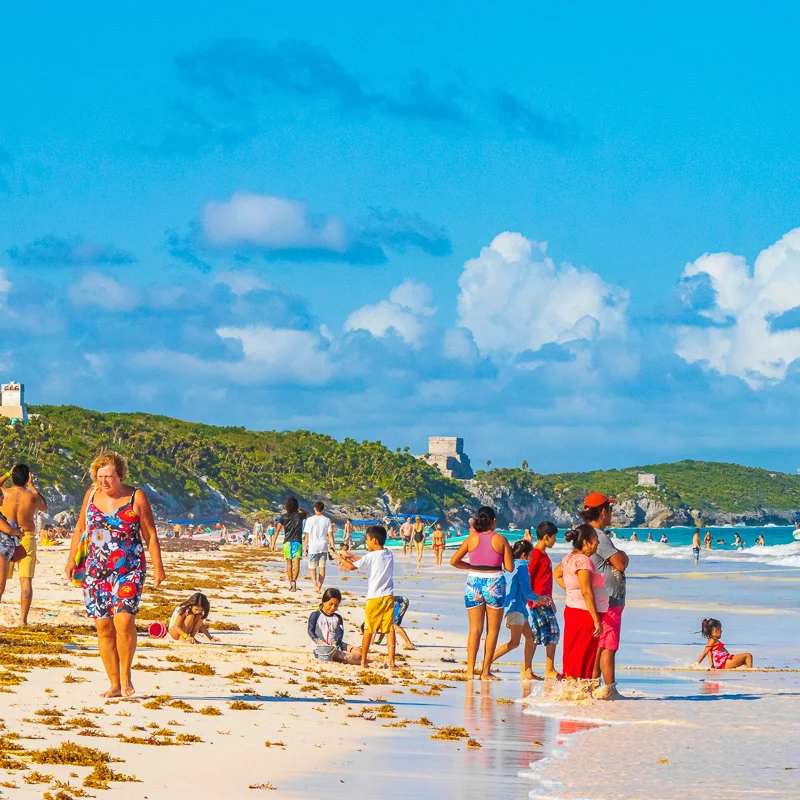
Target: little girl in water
[[718, 656], [188, 620]]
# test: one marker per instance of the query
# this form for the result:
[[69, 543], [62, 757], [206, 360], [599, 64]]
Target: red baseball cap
[[597, 499]]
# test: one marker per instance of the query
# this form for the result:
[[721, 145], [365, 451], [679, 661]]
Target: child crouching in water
[[718, 656], [518, 594], [326, 629], [188, 620]]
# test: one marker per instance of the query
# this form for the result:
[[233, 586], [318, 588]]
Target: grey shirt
[[615, 580]]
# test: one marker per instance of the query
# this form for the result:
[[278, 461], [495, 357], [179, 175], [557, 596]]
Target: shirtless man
[[21, 501]]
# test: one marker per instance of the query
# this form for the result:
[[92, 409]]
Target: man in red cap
[[612, 563]]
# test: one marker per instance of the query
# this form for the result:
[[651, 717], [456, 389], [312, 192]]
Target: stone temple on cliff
[[12, 402], [447, 453]]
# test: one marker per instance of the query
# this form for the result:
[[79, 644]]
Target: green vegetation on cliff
[[184, 462], [707, 486]]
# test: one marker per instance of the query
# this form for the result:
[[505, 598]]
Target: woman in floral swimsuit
[[118, 523]]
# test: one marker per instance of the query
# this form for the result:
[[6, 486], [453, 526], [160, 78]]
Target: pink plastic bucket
[[157, 630]]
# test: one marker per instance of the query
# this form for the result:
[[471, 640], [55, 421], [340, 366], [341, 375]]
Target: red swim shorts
[[612, 623]]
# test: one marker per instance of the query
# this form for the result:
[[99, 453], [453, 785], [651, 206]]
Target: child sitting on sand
[[188, 620], [378, 566], [326, 629], [518, 593], [718, 656]]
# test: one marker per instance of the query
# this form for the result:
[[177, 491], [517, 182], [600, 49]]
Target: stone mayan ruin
[[447, 453]]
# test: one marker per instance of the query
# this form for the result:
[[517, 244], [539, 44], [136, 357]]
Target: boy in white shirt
[[378, 566], [317, 541]]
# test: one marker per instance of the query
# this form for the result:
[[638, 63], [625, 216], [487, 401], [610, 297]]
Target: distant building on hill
[[647, 479], [12, 402], [447, 453]]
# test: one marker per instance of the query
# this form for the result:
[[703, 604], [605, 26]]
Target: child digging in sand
[[518, 593], [188, 620], [718, 657], [378, 566]]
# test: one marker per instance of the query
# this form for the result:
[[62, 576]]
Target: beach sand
[[681, 733]]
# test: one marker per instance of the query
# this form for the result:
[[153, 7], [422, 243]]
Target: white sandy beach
[[677, 729]]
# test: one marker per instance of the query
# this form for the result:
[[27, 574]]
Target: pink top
[[573, 562], [484, 555]]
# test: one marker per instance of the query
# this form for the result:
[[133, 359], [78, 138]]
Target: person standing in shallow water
[[119, 524], [485, 590], [611, 563]]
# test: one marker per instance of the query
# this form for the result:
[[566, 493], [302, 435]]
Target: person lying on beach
[[718, 657], [518, 594], [378, 566], [326, 629], [188, 620]]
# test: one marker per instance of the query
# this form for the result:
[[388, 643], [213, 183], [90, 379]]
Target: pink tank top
[[484, 555]]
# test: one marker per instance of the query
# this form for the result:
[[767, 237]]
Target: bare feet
[[128, 690], [550, 676], [114, 691], [489, 676], [409, 647]]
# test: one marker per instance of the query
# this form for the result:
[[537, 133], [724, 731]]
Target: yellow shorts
[[28, 564], [379, 614]]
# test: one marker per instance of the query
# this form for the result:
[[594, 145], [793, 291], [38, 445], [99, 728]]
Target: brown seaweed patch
[[450, 733], [102, 775], [243, 705], [37, 777], [71, 753], [210, 711]]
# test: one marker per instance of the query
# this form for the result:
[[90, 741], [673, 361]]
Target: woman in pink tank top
[[485, 591]]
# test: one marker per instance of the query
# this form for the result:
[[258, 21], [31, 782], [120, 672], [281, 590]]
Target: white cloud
[[5, 285], [403, 313], [95, 289], [270, 356], [745, 303], [284, 354], [241, 282], [514, 298], [274, 223]]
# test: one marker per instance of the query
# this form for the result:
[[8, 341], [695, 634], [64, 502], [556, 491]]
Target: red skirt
[[580, 644]]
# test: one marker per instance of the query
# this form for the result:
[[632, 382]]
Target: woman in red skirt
[[587, 601]]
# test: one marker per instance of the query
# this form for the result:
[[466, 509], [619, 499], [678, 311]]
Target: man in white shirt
[[318, 540]]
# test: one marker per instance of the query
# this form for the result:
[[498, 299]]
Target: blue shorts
[[544, 624], [292, 550], [488, 590]]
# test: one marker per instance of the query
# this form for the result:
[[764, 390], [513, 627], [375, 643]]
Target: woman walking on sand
[[419, 538], [485, 592], [118, 523]]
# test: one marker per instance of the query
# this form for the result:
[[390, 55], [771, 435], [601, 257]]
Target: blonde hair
[[110, 459]]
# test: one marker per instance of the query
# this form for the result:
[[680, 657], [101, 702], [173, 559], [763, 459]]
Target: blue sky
[[334, 218]]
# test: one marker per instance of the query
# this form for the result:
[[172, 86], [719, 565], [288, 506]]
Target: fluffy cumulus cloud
[[56, 251], [403, 314], [747, 320], [514, 299]]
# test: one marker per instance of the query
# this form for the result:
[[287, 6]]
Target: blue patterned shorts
[[544, 624], [489, 590]]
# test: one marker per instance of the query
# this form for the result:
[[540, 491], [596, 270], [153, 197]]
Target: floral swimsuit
[[115, 565], [719, 656]]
